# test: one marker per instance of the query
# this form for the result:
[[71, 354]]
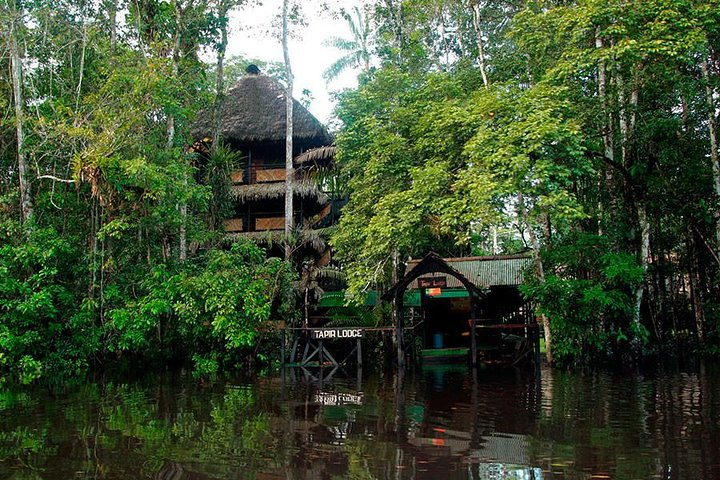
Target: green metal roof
[[494, 271]]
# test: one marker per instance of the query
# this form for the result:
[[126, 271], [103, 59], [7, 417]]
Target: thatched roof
[[254, 111], [316, 154], [268, 236], [308, 237], [262, 191]]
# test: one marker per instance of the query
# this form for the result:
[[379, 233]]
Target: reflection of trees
[[127, 430], [627, 427]]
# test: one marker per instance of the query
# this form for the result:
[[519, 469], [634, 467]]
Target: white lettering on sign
[[325, 398], [331, 333]]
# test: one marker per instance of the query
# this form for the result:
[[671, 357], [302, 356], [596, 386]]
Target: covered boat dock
[[468, 306]]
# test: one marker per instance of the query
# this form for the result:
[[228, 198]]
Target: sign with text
[[333, 333], [432, 282], [328, 398]]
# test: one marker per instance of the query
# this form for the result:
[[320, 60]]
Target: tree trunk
[[695, 286], [713, 147], [606, 132], [628, 108], [644, 254], [539, 271], [495, 248], [480, 45], [289, 170], [26, 205], [182, 232], [112, 20], [220, 74], [81, 75]]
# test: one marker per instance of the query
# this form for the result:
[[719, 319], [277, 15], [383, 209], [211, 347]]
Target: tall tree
[[289, 168], [13, 12]]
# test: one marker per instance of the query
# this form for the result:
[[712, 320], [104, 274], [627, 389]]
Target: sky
[[251, 36]]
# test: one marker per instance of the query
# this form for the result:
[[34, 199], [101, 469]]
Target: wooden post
[[320, 353], [473, 325], [248, 171], [536, 345], [399, 328], [293, 350], [307, 347], [473, 340], [359, 353]]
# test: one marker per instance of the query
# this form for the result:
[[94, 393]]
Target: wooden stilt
[[329, 356], [399, 330], [473, 341], [293, 351], [282, 347], [305, 352]]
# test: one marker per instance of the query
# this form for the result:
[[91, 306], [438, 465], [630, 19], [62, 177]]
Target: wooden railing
[[258, 174], [257, 222], [262, 175], [269, 223], [233, 225]]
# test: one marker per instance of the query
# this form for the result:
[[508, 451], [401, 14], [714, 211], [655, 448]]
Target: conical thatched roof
[[254, 111]]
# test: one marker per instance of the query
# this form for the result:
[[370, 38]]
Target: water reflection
[[310, 424]]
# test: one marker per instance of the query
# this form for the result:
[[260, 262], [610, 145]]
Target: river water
[[433, 423]]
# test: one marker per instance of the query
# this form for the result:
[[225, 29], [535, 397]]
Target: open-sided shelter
[[466, 305]]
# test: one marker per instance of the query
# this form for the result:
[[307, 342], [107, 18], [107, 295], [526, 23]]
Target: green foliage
[[215, 310], [400, 168], [43, 328], [524, 141], [99, 276], [434, 162], [588, 297]]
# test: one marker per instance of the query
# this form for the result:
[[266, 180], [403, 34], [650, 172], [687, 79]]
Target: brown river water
[[435, 423]]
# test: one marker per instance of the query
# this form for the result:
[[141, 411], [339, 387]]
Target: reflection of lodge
[[252, 120], [444, 425]]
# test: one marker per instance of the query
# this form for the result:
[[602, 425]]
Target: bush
[[43, 328], [215, 310], [588, 297]]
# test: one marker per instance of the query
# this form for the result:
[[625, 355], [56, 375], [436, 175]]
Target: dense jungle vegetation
[[583, 131]]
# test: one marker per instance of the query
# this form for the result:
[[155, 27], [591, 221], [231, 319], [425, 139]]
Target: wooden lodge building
[[252, 122]]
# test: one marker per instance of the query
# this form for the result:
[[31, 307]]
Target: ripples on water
[[434, 423]]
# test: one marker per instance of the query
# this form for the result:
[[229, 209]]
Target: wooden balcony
[[263, 175], [257, 223], [269, 223], [233, 225], [258, 174], [237, 176]]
